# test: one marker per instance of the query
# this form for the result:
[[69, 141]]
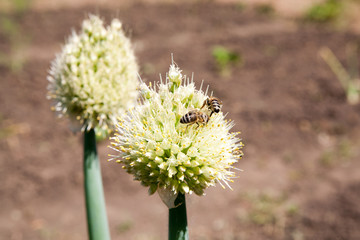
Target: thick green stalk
[[94, 195], [178, 229]]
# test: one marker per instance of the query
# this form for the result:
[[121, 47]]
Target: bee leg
[[188, 126], [211, 114], [203, 104], [197, 125]]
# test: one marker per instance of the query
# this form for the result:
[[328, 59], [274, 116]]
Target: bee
[[194, 116], [213, 104]]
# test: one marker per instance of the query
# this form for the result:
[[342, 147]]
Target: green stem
[[178, 229], [94, 195]]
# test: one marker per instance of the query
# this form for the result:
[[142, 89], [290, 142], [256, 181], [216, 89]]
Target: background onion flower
[[94, 77], [92, 80], [164, 154]]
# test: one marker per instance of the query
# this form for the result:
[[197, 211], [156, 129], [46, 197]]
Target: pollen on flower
[[94, 78], [167, 154]]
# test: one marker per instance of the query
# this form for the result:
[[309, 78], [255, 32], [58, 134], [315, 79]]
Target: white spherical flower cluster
[[163, 153], [94, 78]]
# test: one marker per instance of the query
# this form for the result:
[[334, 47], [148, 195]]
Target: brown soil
[[302, 138]]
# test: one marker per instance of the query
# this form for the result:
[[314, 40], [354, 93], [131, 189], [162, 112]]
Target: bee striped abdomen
[[194, 116], [215, 105], [188, 118]]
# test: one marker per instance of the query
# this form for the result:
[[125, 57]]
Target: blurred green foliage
[[13, 59], [325, 12], [6, 129], [268, 209], [270, 212], [21, 6], [263, 210], [225, 59], [11, 29], [124, 226], [349, 78], [240, 6], [265, 9], [341, 153], [14, 6]]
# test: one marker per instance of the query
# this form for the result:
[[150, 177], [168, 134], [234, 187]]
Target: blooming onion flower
[[94, 78], [163, 153]]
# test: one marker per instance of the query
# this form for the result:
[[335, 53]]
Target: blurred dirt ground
[[301, 162]]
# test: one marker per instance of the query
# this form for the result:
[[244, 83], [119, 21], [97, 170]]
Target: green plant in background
[[340, 153], [240, 6], [265, 9], [269, 211], [325, 11], [263, 210], [225, 59], [14, 59], [16, 6], [124, 226], [21, 5], [9, 25], [170, 157], [348, 78], [93, 80]]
